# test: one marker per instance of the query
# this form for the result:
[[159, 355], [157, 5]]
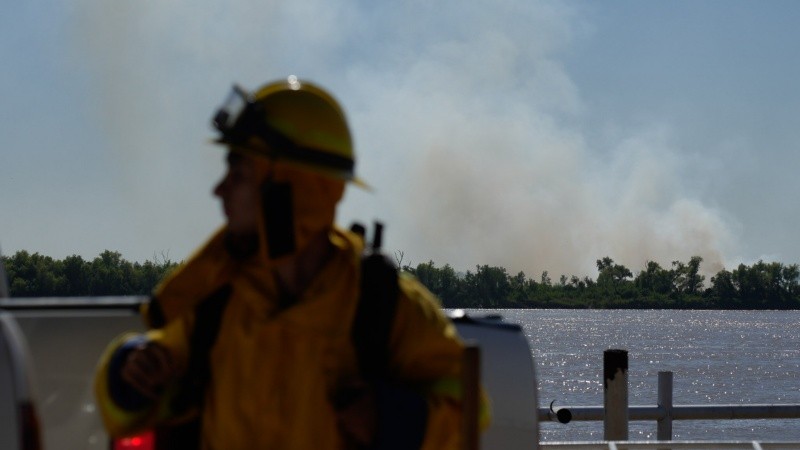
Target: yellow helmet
[[293, 121]]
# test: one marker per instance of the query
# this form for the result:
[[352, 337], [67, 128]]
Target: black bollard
[[615, 395]]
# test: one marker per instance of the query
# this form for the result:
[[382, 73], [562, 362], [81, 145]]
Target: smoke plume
[[467, 125]]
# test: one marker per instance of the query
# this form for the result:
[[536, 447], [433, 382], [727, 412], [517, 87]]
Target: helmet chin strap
[[278, 211]]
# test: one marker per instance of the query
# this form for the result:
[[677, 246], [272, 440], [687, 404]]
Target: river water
[[717, 357]]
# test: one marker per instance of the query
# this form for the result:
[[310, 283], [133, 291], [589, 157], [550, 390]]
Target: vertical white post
[[664, 432], [615, 401]]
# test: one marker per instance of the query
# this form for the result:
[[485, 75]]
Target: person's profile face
[[239, 193]]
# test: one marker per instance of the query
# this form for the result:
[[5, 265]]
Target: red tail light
[[144, 441]]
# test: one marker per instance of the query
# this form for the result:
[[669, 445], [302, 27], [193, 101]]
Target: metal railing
[[670, 445], [615, 413]]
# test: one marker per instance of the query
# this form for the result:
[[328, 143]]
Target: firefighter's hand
[[359, 417], [148, 368]]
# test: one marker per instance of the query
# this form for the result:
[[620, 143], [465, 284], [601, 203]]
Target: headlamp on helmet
[[239, 119], [227, 115]]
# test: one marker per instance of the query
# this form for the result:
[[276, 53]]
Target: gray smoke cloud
[[506, 185], [465, 120], [495, 171]]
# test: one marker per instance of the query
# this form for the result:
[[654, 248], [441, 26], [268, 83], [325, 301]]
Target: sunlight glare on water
[[717, 357]]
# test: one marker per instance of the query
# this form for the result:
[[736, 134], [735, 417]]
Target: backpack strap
[[208, 319]]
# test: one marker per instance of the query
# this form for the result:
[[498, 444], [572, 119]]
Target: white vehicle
[[55, 343], [19, 425]]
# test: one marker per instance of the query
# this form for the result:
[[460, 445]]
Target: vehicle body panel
[[66, 336]]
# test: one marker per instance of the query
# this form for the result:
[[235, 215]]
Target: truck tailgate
[[65, 338]]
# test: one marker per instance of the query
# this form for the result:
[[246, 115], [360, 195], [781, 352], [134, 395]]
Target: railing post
[[615, 399], [664, 432]]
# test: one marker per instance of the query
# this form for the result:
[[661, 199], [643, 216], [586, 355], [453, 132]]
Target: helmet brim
[[322, 170]]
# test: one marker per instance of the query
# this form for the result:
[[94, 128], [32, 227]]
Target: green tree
[[687, 279], [35, 275], [489, 286], [766, 285], [654, 280], [443, 282], [522, 290], [111, 275], [614, 280], [76, 273], [611, 273], [723, 290]]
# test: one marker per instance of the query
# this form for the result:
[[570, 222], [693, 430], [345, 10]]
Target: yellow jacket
[[274, 372]]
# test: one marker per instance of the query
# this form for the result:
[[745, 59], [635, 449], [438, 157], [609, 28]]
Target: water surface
[[717, 357]]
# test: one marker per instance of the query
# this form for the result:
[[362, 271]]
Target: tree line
[[36, 275], [681, 286]]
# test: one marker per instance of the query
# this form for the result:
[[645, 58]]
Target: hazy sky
[[532, 135]]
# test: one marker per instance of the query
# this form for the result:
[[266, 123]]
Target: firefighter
[[252, 339]]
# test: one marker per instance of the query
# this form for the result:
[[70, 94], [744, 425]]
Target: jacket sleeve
[[427, 355], [123, 409]]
